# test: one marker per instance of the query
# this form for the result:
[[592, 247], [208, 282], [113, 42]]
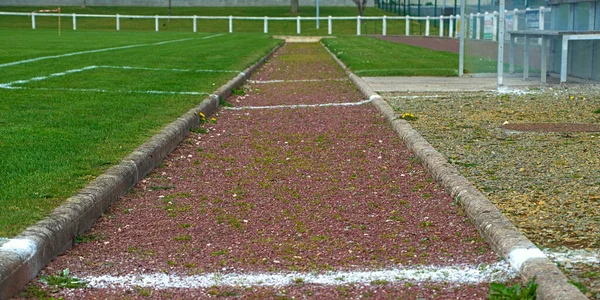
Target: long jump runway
[[299, 188]]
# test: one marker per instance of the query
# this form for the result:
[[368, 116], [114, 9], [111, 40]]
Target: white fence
[[453, 22]]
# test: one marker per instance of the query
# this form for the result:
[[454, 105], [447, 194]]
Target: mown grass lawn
[[66, 119]]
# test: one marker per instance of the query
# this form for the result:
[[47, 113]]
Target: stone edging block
[[22, 257], [504, 238]]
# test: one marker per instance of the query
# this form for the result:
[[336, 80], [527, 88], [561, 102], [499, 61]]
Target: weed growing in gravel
[[597, 111], [499, 291], [183, 238], [409, 117], [87, 238], [63, 280], [199, 130], [239, 92]]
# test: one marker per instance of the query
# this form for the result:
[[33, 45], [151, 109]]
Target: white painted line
[[517, 257], [299, 105], [498, 272], [292, 81], [40, 78], [585, 256], [100, 50], [413, 97], [110, 91], [24, 248], [172, 70]]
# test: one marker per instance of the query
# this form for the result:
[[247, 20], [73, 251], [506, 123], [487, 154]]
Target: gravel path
[[546, 183], [300, 192]]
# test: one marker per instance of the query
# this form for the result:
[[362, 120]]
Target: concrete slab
[[446, 84]]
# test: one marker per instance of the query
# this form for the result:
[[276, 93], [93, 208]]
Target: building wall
[[176, 3]]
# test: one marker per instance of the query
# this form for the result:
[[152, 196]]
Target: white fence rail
[[473, 32]]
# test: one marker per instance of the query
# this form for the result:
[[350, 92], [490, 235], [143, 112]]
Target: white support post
[[526, 58], [195, 23], [451, 27], [384, 26], [441, 26], [230, 24], [563, 59], [515, 20], [118, 22], [298, 25], [358, 25], [478, 27], [266, 25], [33, 20], [494, 26], [407, 22], [156, 23], [500, 65], [471, 33], [541, 25], [427, 26], [74, 22], [329, 28]]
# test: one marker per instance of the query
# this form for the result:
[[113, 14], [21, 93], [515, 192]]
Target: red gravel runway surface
[[296, 192]]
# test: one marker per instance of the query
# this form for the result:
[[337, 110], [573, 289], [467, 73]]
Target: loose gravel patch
[[544, 179], [305, 191]]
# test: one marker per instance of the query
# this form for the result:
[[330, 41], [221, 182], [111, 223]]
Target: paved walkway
[[298, 188]]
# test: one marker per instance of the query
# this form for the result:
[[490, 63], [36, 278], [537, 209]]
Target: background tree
[[295, 7], [360, 5]]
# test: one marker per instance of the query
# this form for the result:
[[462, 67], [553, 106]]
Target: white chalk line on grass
[[299, 105], [100, 50], [473, 274], [10, 85], [297, 80]]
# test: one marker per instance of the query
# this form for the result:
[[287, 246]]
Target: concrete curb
[[504, 238], [22, 257]]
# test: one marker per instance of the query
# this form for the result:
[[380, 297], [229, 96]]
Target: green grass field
[[66, 119], [340, 27], [374, 57]]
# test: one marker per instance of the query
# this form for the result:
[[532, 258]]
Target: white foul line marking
[[291, 81], [517, 257], [500, 271], [299, 105], [99, 50]]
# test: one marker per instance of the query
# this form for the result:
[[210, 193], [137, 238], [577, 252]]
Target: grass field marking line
[[24, 248], [40, 78], [585, 256], [466, 274], [172, 70], [297, 80], [300, 105], [116, 91], [94, 51], [518, 256], [412, 97]]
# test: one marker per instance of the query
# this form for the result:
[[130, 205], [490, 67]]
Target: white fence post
[[451, 26], [442, 26], [478, 27], [515, 21], [195, 23], [329, 25], [407, 22], [358, 25], [298, 25], [384, 26], [494, 26], [230, 24], [266, 25], [156, 23], [74, 22], [118, 22], [427, 26], [33, 20]]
